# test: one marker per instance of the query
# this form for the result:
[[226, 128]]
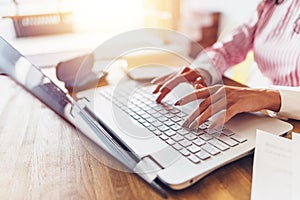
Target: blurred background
[[48, 31]]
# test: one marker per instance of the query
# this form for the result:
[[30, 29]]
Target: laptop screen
[[19, 68]]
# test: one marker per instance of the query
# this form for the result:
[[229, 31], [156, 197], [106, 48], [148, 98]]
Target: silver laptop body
[[178, 157]]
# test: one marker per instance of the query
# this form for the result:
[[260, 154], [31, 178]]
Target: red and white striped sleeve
[[230, 51]]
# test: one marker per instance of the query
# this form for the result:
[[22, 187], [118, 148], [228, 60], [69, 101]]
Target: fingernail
[[152, 81], [155, 91], [186, 123], [194, 125], [178, 102], [158, 100]]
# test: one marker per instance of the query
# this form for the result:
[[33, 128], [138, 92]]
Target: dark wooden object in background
[[209, 35], [42, 24]]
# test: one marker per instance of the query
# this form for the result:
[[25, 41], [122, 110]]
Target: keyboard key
[[184, 152], [170, 133], [210, 149], [170, 141], [212, 132], [152, 105], [151, 128], [163, 112], [169, 123], [169, 115], [151, 111], [203, 155], [199, 132], [176, 127], [177, 146], [206, 137], [146, 124], [145, 116], [177, 138], [185, 143], [158, 108], [227, 132], [203, 126], [136, 117], [194, 159], [181, 122], [182, 132], [141, 120], [146, 108], [131, 113], [190, 136], [156, 115], [157, 124], [163, 137], [176, 119], [151, 120], [193, 148], [227, 140], [135, 109], [174, 111], [157, 132], [199, 142], [181, 114], [217, 143], [239, 138], [163, 128], [162, 119]]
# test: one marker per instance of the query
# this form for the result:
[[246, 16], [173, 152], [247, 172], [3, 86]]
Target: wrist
[[274, 100]]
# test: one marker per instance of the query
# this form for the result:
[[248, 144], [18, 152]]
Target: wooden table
[[43, 157]]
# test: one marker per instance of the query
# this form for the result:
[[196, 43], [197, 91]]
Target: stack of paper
[[276, 168]]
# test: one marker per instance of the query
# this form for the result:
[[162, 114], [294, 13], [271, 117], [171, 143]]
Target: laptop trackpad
[[166, 156]]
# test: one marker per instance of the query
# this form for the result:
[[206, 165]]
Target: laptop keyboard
[[165, 121]]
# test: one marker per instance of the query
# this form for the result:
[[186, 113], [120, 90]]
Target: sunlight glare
[[107, 14]]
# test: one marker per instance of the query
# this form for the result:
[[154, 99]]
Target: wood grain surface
[[44, 157]]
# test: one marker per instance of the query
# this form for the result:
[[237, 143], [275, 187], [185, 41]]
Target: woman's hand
[[233, 100], [167, 83]]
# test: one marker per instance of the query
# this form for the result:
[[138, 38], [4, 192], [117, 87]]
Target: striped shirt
[[273, 35]]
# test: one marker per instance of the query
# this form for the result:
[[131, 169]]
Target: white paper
[[296, 166], [272, 168]]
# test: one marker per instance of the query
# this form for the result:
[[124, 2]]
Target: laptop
[[181, 156], [146, 137]]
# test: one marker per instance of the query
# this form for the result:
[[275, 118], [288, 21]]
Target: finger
[[206, 114], [200, 81], [200, 94], [185, 69], [192, 75], [168, 86], [168, 76], [202, 106], [186, 75], [231, 112], [162, 82], [218, 121], [162, 78]]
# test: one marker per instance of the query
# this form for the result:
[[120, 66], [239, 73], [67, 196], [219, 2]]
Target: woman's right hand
[[165, 84]]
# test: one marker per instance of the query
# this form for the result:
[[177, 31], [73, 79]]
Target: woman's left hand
[[233, 100]]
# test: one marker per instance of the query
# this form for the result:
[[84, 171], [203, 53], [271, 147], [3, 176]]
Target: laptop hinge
[[147, 168]]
